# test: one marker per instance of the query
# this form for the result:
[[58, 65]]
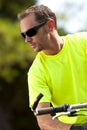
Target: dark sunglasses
[[33, 31]]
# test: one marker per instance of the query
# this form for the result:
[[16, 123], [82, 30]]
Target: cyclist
[[60, 68]]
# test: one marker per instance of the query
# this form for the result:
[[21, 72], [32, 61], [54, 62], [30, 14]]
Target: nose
[[28, 39]]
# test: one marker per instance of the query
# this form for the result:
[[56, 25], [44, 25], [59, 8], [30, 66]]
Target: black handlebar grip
[[51, 110]]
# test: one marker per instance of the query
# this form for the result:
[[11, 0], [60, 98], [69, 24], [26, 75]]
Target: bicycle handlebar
[[50, 110], [66, 108], [80, 105]]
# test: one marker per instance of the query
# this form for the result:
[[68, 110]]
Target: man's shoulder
[[77, 35], [80, 37], [37, 61]]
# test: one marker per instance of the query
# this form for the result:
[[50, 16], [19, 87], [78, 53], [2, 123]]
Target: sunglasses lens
[[31, 32]]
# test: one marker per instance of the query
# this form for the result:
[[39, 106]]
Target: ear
[[51, 24]]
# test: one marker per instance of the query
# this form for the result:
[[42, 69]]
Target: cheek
[[43, 40], [41, 37]]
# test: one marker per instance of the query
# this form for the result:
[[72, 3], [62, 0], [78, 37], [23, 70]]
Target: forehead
[[28, 22]]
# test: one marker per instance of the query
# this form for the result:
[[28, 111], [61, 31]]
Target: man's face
[[36, 39]]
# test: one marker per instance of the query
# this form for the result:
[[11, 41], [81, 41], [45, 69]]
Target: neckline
[[58, 54]]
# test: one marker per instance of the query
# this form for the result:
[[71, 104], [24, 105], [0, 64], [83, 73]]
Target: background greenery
[[16, 58]]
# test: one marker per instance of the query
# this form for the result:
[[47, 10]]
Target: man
[[60, 68]]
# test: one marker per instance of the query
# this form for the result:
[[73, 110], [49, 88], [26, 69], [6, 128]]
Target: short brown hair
[[41, 12]]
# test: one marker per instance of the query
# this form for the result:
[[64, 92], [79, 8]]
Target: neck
[[55, 47]]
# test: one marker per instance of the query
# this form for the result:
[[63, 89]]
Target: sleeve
[[37, 84]]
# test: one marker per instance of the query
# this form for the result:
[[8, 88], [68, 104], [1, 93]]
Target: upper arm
[[37, 84]]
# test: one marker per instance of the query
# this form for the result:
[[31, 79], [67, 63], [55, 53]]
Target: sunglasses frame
[[33, 31]]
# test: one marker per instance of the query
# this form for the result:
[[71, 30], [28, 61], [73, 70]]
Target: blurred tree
[[13, 52], [10, 8], [15, 60]]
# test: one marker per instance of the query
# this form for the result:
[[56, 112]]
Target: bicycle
[[66, 109]]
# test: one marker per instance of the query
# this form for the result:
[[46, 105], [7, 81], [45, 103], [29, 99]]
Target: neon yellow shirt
[[61, 78]]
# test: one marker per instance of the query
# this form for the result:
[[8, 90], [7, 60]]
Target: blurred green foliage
[[13, 51]]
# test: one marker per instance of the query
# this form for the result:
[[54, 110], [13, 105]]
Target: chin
[[37, 50]]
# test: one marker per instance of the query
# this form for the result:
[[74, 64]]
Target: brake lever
[[37, 101], [68, 113]]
